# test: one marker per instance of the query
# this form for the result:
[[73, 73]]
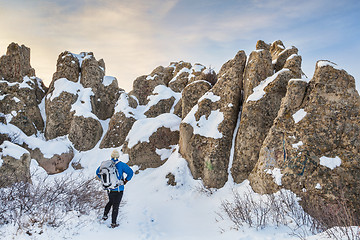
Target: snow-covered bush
[[49, 201]]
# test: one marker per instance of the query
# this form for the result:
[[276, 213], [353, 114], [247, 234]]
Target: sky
[[135, 36]]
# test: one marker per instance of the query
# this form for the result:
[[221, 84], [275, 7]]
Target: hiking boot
[[114, 225], [104, 217]]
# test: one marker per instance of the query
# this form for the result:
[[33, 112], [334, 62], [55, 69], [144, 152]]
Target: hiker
[[115, 194]]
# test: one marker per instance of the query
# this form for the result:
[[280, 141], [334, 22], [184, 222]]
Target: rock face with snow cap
[[151, 140], [20, 91], [313, 146], [79, 96], [14, 164], [207, 130], [258, 113]]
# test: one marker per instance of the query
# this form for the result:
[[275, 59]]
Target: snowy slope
[[155, 210]]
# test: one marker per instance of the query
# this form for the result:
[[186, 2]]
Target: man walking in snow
[[115, 194]]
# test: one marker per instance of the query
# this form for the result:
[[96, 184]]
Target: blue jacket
[[122, 168]]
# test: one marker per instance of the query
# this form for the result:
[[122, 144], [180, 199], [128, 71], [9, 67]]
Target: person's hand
[[125, 181]]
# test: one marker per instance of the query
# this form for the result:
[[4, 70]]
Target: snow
[[144, 128], [152, 209], [211, 96], [205, 126], [198, 67], [324, 63], [258, 91], [151, 77], [330, 162], [165, 153], [48, 148], [297, 145], [276, 174], [64, 85], [12, 150], [161, 92], [108, 80], [299, 115]]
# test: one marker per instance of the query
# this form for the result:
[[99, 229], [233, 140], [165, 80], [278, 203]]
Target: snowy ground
[[155, 210]]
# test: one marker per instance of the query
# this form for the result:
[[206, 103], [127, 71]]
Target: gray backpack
[[109, 175]]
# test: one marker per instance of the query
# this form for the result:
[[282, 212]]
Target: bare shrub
[[283, 209], [335, 218], [49, 202]]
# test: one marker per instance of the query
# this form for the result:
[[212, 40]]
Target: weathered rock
[[68, 66], [59, 115], [207, 152], [181, 76], [256, 119], [14, 170], [171, 179], [121, 122], [104, 99], [80, 84], [119, 127], [262, 45], [15, 65], [145, 154], [163, 106], [192, 93], [143, 86], [91, 71], [84, 133], [258, 68], [314, 142], [20, 91], [54, 164]]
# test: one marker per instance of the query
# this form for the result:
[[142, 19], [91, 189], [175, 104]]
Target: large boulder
[[313, 146], [206, 132], [56, 163], [14, 164], [151, 140], [85, 132]]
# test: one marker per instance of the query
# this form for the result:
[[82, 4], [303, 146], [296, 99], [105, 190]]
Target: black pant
[[114, 201]]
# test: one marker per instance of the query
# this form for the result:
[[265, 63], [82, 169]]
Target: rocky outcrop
[[20, 90], [85, 132], [206, 132], [258, 114], [191, 94], [79, 96], [15, 65], [14, 164], [152, 148], [313, 145], [258, 68]]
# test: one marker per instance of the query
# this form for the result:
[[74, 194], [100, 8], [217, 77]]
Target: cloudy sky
[[135, 36]]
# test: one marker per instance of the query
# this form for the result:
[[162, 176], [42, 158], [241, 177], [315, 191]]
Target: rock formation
[[20, 90], [313, 145], [79, 96], [206, 132], [259, 111], [257, 119]]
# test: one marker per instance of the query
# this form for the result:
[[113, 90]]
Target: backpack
[[109, 175]]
